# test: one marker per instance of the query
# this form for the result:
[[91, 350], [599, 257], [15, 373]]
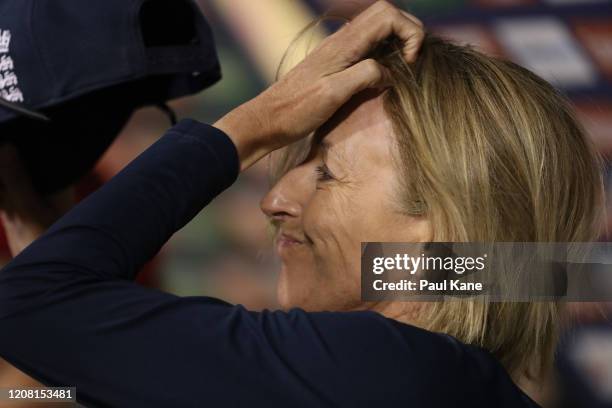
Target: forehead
[[360, 130]]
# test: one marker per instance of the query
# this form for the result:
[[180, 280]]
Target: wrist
[[249, 129]]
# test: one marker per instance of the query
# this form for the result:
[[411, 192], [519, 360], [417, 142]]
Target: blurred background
[[226, 251]]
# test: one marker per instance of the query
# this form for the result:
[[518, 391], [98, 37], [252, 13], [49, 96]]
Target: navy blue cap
[[87, 65]]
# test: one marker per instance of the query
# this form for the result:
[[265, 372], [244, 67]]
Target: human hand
[[25, 215], [309, 94]]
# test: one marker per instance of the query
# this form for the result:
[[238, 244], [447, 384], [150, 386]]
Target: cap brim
[[20, 110]]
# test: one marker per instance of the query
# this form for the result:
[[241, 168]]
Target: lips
[[289, 238], [285, 240]]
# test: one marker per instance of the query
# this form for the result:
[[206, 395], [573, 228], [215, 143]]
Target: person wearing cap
[[63, 101], [72, 285], [71, 75]]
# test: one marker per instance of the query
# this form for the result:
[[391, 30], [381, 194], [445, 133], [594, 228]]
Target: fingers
[[377, 23], [365, 74], [412, 18]]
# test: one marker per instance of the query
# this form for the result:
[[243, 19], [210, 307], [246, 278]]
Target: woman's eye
[[323, 173]]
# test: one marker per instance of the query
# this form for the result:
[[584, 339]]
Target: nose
[[287, 198]]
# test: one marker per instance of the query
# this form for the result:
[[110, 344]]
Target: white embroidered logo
[[5, 40], [8, 78]]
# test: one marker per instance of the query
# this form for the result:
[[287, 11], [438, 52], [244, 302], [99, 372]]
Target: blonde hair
[[490, 152]]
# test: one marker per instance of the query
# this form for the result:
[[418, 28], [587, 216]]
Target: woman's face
[[344, 193]]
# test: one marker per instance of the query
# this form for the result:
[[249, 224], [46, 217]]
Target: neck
[[405, 312], [540, 390]]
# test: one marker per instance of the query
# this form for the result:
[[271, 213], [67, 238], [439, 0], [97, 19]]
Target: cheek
[[333, 225]]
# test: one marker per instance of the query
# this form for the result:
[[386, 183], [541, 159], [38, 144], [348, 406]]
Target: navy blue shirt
[[71, 315]]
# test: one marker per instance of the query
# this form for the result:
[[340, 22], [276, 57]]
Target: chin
[[288, 300], [283, 299], [291, 288]]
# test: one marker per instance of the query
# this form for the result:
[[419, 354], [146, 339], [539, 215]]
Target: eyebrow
[[325, 147]]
